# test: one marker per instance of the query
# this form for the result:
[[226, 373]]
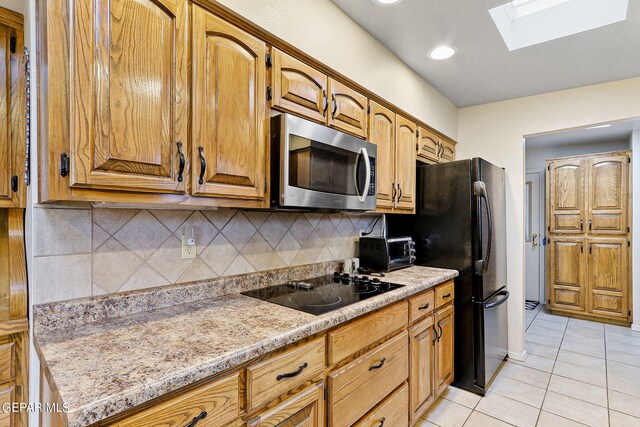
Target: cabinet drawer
[[421, 305], [393, 410], [7, 362], [444, 294], [220, 401], [358, 386], [269, 379], [351, 338]]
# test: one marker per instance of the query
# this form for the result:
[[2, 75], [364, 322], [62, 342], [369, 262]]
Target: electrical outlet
[[188, 250]]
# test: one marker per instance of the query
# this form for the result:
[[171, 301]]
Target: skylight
[[525, 23]]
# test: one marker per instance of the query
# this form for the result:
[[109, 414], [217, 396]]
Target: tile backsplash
[[89, 252]]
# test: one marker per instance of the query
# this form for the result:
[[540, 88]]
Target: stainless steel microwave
[[316, 167]]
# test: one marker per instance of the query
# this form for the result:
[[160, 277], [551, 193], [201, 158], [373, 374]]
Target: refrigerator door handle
[[505, 297], [480, 190]]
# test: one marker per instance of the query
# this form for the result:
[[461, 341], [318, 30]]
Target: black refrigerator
[[460, 224]]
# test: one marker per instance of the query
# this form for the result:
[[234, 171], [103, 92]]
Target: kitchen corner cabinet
[[433, 149], [12, 107], [302, 90], [129, 104], [229, 109]]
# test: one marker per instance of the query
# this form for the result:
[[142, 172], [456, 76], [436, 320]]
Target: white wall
[[495, 132], [635, 249], [331, 37]]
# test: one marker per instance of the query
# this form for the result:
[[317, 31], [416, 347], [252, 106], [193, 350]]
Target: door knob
[[534, 236]]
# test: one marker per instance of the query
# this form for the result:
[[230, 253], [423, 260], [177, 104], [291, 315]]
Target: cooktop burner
[[323, 294]]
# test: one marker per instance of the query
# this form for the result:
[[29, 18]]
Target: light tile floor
[[577, 373]]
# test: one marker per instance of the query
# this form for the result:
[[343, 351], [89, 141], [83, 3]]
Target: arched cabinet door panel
[[607, 197], [405, 163], [382, 132], [566, 196], [228, 110]]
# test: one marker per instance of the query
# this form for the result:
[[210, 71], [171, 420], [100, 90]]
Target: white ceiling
[[618, 131], [483, 70]]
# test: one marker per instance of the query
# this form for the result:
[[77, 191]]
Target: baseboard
[[635, 327], [520, 357]]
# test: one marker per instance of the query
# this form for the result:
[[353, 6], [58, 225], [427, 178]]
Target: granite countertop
[[105, 367]]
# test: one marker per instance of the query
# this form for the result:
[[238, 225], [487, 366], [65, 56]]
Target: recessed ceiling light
[[386, 2], [598, 126], [442, 52]]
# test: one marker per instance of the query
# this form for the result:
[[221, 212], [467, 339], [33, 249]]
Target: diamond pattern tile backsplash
[[83, 252]]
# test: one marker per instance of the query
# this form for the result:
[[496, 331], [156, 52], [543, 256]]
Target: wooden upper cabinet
[[422, 338], [447, 151], [608, 274], [130, 94], [428, 146], [228, 110], [299, 88], [405, 163], [443, 373], [607, 199], [566, 272], [566, 189], [348, 109], [382, 132], [12, 93]]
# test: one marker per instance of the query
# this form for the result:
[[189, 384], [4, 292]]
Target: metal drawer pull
[[182, 162], [294, 373], [435, 333], [325, 103], [382, 422], [195, 420], [203, 165], [447, 295], [424, 307], [379, 365]]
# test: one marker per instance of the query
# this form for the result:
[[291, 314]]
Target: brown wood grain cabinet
[[348, 109], [447, 151], [588, 260], [306, 408], [423, 338], [382, 132], [12, 107], [228, 110], [406, 137], [443, 372], [432, 148]]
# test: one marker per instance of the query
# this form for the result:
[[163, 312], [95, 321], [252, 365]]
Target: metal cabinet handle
[[182, 162], [379, 365], [447, 295], [197, 419], [590, 245], [382, 422], [14, 183], [399, 192], [424, 307], [590, 224], [203, 165], [534, 236], [440, 328], [435, 335], [325, 103], [294, 373], [581, 247], [393, 191], [334, 106], [581, 225]]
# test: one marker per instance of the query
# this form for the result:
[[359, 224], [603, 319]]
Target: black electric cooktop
[[323, 294]]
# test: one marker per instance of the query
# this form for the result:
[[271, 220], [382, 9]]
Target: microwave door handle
[[367, 167]]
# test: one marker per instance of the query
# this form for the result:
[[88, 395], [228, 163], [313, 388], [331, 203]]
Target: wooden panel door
[[130, 94], [305, 409], [443, 372], [447, 151], [12, 136], [348, 109], [608, 272], [405, 163], [428, 146], [565, 276], [565, 184], [298, 88], [229, 109], [608, 182], [422, 339], [382, 132]]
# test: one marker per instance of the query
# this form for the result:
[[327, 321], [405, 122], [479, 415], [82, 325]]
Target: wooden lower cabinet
[[566, 277], [305, 409], [608, 277], [443, 372], [392, 411], [422, 338]]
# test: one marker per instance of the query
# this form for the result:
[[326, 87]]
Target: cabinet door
[[608, 272], [443, 372], [405, 163], [348, 109], [608, 181], [12, 137], [428, 146], [382, 132], [229, 103], [130, 94], [305, 409], [299, 88], [565, 275], [566, 195], [422, 340], [447, 151]]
